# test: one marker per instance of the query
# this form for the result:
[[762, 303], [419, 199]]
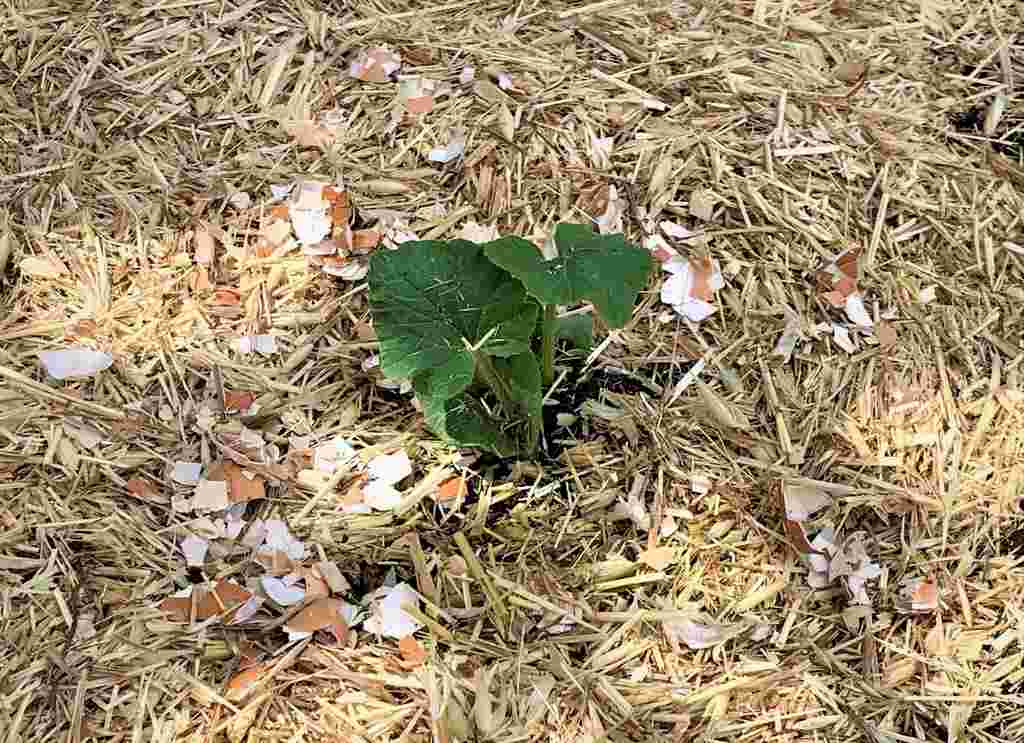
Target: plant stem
[[533, 431], [548, 344], [502, 389]]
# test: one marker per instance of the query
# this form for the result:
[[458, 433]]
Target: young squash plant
[[462, 321]]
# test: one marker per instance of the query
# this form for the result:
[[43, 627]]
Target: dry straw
[[785, 133]]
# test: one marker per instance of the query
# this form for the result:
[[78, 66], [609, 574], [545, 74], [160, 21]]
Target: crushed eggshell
[[275, 562], [194, 548], [387, 618], [634, 509], [801, 501], [702, 204], [278, 537], [700, 635], [416, 94], [322, 614], [601, 151], [668, 526], [324, 247], [243, 486], [205, 246], [316, 586], [842, 338], [349, 269], [381, 496], [661, 250], [451, 489], [210, 495], [309, 212], [332, 575], [261, 344], [283, 591], [390, 468], [413, 653], [657, 558], [454, 149], [678, 231], [75, 362], [857, 312], [226, 596], [186, 473], [610, 222], [791, 335], [242, 685], [375, 65], [365, 239], [691, 287], [331, 455], [145, 490], [918, 596]]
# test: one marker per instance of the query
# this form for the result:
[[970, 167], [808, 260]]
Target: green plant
[[460, 319]]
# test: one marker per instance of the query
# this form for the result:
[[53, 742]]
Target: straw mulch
[[785, 133]]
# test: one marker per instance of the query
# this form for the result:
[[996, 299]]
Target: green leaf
[[603, 269], [446, 381], [455, 415], [523, 374], [578, 330], [512, 311], [460, 419], [431, 302], [430, 298]]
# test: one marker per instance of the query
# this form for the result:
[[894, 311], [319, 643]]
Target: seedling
[[461, 320]]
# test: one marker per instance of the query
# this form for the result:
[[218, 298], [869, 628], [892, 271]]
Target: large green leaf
[[603, 269], [453, 414], [460, 419], [432, 302], [430, 298], [444, 382]]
